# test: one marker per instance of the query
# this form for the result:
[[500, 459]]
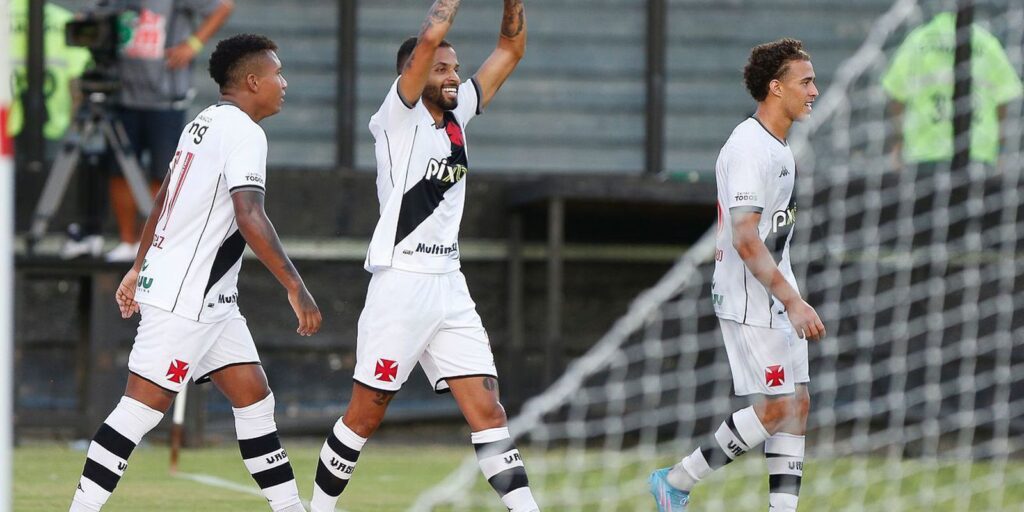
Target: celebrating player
[[765, 323], [418, 308], [184, 282]]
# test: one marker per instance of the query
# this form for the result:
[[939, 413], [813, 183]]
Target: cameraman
[[156, 85]]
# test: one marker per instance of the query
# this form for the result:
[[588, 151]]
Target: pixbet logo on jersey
[[386, 371], [783, 218], [445, 173]]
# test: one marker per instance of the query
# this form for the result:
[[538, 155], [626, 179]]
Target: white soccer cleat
[[78, 245], [668, 498]]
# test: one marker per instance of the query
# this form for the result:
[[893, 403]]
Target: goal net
[[917, 399]]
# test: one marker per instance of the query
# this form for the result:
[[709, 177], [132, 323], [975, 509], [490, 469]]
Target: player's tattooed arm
[[417, 67], [506, 56], [259, 233], [513, 21]]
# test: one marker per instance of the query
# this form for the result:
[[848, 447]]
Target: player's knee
[[779, 411], [362, 425]]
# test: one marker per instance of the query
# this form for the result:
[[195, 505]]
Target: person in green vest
[[920, 79], [63, 65]]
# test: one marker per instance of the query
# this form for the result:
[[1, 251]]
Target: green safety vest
[[921, 77], [63, 64]]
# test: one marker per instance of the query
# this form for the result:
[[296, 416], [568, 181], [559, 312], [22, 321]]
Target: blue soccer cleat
[[668, 498]]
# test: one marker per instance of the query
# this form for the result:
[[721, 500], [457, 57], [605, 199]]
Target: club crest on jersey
[[386, 371], [177, 371], [775, 375], [443, 172]]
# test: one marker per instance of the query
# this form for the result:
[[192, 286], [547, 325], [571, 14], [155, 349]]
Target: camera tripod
[[93, 130]]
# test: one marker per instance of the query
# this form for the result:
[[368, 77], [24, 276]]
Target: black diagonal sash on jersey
[[420, 201], [227, 255]]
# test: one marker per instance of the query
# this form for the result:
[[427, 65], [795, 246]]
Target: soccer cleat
[[668, 498]]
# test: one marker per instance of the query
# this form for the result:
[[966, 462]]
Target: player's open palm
[[306, 311], [805, 321], [125, 294]]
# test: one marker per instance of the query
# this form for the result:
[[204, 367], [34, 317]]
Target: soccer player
[[765, 323], [418, 308], [184, 282]]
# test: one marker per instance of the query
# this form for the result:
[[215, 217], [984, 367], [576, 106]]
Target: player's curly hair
[[230, 56], [770, 61]]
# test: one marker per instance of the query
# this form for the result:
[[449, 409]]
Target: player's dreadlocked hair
[[770, 61], [231, 55], [406, 49]]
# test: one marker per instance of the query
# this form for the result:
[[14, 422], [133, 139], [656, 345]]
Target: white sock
[[503, 468], [785, 456], [735, 436], [263, 455], [334, 469], [109, 450]]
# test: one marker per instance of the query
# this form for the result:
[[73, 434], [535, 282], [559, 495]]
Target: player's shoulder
[[747, 135], [234, 123]]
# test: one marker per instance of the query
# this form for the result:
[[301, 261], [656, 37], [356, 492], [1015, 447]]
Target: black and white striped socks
[[264, 457], [108, 453], [503, 468], [334, 469], [735, 436], [785, 456]]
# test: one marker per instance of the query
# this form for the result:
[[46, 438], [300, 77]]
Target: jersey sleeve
[[895, 79], [469, 101], [246, 166], [394, 111], [1004, 84], [745, 179]]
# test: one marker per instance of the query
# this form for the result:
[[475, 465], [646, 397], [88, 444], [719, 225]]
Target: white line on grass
[[214, 481]]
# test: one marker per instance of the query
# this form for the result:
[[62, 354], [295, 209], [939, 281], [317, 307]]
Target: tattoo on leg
[[382, 398], [514, 19], [490, 383]]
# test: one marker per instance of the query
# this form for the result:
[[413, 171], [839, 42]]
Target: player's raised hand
[[125, 294], [306, 311], [805, 320]]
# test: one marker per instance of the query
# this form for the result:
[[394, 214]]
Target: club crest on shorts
[[775, 375], [177, 371], [387, 370]]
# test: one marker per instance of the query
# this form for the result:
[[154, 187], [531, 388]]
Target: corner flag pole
[[6, 272]]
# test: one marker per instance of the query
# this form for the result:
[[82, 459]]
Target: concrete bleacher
[[576, 103]]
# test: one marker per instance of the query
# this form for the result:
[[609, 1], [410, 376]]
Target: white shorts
[[426, 318], [764, 361], [170, 349]]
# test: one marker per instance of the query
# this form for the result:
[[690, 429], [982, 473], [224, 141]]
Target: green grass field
[[389, 479], [391, 476]]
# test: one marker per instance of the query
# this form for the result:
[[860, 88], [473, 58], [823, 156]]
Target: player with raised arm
[[765, 323], [184, 282], [418, 308]]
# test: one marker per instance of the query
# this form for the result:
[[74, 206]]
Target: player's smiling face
[[798, 90], [442, 87]]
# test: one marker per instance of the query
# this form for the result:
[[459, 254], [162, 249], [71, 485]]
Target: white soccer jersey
[[756, 172], [192, 267], [421, 183]]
